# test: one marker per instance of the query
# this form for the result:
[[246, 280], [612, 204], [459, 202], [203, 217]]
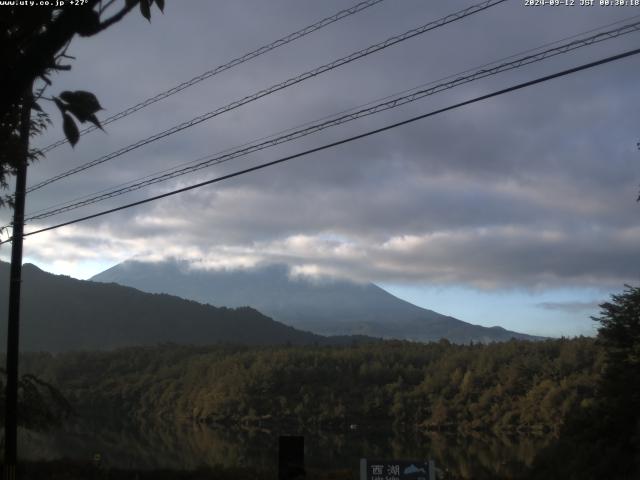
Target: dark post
[[15, 280], [291, 457]]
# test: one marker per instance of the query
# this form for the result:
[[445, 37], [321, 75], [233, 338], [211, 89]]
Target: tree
[[602, 440], [33, 45], [40, 405], [619, 334]]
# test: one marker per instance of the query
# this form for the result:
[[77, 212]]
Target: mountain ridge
[[326, 307], [60, 313]]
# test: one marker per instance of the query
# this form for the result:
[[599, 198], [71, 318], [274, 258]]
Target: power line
[[221, 68], [280, 86], [343, 141], [296, 134], [326, 117]]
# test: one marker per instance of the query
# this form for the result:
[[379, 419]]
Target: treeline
[[510, 386]]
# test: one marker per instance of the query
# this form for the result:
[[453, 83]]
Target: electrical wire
[[205, 162], [343, 141], [221, 68], [326, 117], [280, 86]]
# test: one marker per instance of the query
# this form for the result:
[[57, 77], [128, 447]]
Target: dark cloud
[[533, 189]]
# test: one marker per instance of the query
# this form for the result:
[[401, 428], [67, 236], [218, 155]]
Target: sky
[[518, 211]]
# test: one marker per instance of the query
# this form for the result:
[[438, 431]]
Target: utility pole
[[15, 281]]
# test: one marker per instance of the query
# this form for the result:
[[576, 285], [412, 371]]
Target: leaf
[[93, 119], [87, 100], [160, 4], [145, 9], [67, 96], [81, 103], [61, 106], [36, 107], [70, 129]]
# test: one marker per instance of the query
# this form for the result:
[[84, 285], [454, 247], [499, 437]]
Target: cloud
[[571, 307], [535, 189], [485, 258]]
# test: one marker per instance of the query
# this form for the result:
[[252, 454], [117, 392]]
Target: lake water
[[159, 445]]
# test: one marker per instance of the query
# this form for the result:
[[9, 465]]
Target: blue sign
[[396, 469]]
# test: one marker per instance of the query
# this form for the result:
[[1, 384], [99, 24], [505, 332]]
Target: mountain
[[331, 307], [59, 313]]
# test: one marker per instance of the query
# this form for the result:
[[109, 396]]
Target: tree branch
[[106, 6], [118, 16], [35, 60]]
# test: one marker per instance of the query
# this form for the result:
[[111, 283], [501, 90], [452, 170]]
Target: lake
[[188, 446]]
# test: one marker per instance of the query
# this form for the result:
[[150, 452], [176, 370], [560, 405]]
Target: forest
[[516, 385], [549, 389], [584, 393]]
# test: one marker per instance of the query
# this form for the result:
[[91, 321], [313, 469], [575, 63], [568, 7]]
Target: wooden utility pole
[[15, 281]]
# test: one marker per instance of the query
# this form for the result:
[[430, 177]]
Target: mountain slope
[[60, 313], [329, 307]]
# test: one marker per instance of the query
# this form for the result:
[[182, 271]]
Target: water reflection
[[180, 446]]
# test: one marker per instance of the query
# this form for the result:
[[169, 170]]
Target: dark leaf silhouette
[[145, 9], [93, 119], [82, 100], [70, 129], [160, 4], [82, 104], [61, 106]]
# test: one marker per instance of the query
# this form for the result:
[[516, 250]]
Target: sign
[[397, 469]]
